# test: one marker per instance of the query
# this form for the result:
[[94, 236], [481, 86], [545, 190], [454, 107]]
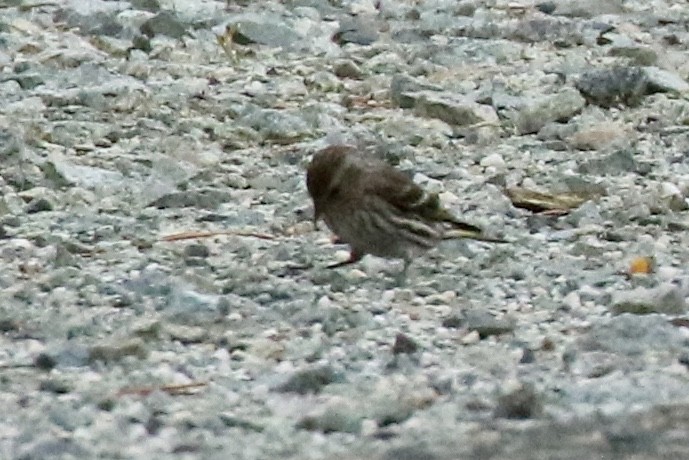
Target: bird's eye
[[335, 191]]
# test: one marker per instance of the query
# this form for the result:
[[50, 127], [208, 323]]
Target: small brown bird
[[377, 209]]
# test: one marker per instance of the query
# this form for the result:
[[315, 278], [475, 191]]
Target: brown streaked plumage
[[377, 209]]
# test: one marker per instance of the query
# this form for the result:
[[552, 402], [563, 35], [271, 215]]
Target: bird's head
[[326, 177]]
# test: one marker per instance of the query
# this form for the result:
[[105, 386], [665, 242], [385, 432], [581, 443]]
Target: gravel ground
[[162, 289]]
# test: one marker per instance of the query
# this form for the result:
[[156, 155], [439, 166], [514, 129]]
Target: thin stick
[[170, 389], [192, 235]]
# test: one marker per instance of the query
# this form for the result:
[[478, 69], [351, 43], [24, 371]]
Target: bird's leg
[[354, 257], [401, 278]]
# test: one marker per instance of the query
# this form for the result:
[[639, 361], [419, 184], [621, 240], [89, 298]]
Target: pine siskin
[[377, 209]]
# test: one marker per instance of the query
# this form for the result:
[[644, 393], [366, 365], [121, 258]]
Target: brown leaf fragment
[[547, 203]]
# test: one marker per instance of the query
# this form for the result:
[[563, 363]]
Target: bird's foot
[[401, 277], [354, 257]]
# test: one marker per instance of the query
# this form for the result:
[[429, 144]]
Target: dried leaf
[[641, 265], [546, 203]]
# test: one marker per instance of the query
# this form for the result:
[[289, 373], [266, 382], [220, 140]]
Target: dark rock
[[44, 362], [204, 199], [196, 250], [614, 86], [146, 5], [522, 403], [164, 23], [40, 204], [310, 380], [54, 386], [453, 322], [404, 345], [546, 7]]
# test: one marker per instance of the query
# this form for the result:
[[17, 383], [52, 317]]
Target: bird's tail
[[461, 229]]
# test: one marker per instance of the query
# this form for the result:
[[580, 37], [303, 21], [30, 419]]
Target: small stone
[[601, 136], [404, 345], [453, 109], [619, 162], [665, 298], [660, 80], [187, 334], [310, 380], [44, 362], [55, 386], [233, 421], [614, 86], [337, 416], [113, 353], [557, 107], [196, 250], [494, 160], [347, 69], [40, 204], [164, 23], [404, 90], [486, 324], [357, 30], [521, 403], [528, 356], [471, 338], [453, 322]]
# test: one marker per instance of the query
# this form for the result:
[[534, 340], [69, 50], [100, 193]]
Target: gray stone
[[264, 32], [660, 80], [486, 324], [587, 8], [359, 30], [404, 89], [614, 86], [205, 199], [522, 403], [665, 298], [619, 162], [559, 107], [454, 110], [310, 380], [164, 23]]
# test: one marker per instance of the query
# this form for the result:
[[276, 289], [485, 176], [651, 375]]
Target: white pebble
[[368, 427], [471, 338], [493, 160], [572, 300], [324, 302], [429, 184], [668, 189]]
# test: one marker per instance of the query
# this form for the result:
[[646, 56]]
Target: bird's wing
[[399, 190]]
